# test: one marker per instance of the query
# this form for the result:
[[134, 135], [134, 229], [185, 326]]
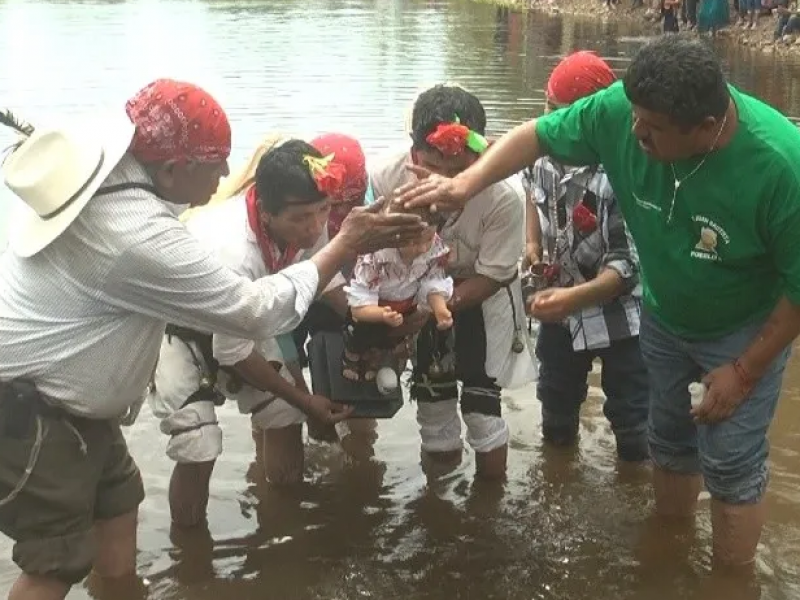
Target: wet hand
[[369, 229], [392, 318], [552, 305], [322, 410], [431, 191], [725, 391], [533, 256]]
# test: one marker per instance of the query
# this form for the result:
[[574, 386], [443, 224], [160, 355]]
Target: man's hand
[[552, 305], [533, 256], [725, 391], [368, 229], [392, 318], [413, 324], [434, 192], [324, 411]]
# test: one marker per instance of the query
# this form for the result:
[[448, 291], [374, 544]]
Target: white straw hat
[[56, 171]]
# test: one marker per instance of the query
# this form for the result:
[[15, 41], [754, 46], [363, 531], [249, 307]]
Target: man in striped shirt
[[592, 307], [82, 317]]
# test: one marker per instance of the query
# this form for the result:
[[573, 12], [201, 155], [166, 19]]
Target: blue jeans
[[562, 388], [731, 455]]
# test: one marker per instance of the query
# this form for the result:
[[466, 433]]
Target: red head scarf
[[178, 121], [348, 153], [578, 75]]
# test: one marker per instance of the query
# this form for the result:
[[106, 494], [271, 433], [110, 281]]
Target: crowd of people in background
[[711, 16]]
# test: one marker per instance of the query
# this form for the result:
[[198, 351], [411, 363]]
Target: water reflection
[[567, 524]]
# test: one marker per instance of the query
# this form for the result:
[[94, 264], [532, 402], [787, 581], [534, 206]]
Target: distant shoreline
[[758, 40]]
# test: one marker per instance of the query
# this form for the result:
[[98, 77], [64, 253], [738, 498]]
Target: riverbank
[[759, 39]]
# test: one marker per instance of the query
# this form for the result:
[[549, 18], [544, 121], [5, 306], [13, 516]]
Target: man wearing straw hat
[[98, 262]]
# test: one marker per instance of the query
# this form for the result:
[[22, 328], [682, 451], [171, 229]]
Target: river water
[[567, 524]]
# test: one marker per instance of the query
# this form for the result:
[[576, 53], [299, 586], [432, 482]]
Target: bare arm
[[781, 220], [259, 373], [507, 156], [171, 277], [473, 292], [337, 300], [780, 330], [603, 288], [533, 231], [297, 374], [330, 259]]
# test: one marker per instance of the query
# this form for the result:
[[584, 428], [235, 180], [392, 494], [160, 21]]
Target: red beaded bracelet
[[744, 376]]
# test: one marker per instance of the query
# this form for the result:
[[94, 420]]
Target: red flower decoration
[[449, 138], [551, 273], [330, 179], [584, 219]]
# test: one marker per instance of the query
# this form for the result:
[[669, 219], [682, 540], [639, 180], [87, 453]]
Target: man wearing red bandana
[[485, 349], [329, 316], [275, 222], [592, 303], [349, 160], [83, 313]]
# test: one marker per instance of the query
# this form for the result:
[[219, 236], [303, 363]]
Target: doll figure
[[387, 286]]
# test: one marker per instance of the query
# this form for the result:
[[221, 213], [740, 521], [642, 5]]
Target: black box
[[325, 350]]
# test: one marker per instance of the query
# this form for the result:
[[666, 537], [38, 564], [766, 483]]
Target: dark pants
[[670, 20], [689, 12], [562, 389], [787, 25], [463, 358]]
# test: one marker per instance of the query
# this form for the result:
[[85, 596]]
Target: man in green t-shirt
[[708, 179]]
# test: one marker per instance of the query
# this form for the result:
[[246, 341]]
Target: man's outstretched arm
[[509, 155]]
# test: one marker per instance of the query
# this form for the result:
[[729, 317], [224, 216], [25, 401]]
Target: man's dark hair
[[282, 173], [680, 77], [442, 104]]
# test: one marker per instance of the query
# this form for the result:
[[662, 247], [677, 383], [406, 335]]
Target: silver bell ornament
[[435, 369]]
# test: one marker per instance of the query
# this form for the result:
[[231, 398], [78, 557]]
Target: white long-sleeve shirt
[[85, 317]]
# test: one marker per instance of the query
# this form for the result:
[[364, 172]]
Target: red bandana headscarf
[[178, 121], [578, 75], [272, 260], [346, 152]]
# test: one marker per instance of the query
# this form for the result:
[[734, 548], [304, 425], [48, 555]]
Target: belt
[[503, 284], [23, 407]]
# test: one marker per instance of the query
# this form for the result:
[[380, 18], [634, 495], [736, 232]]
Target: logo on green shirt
[[711, 235]]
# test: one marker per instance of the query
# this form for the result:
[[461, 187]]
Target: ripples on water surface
[[568, 524]]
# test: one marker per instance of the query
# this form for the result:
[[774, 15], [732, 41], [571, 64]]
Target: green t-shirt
[[732, 246]]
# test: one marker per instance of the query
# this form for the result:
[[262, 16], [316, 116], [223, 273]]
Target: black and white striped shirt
[[556, 191]]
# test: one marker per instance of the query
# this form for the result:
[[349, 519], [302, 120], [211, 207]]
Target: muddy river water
[[567, 524]]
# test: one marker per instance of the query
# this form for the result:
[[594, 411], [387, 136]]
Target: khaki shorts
[[69, 489]]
